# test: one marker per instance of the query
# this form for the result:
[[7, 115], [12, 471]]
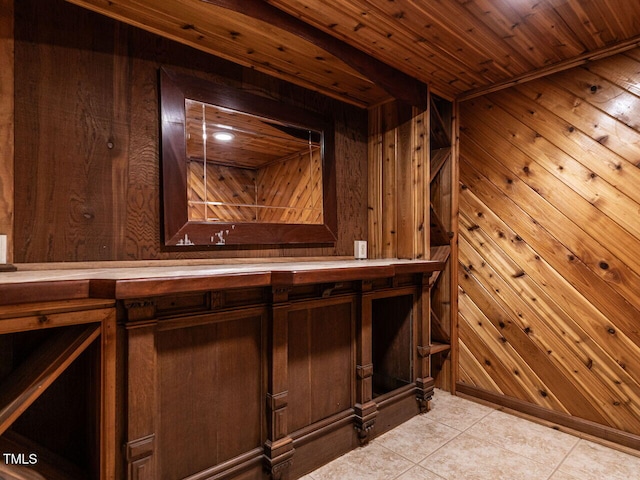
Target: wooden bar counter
[[252, 371]]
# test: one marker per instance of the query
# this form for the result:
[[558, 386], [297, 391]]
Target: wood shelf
[[437, 332], [27, 382], [438, 158], [439, 234], [439, 348], [440, 254], [440, 129], [443, 188]]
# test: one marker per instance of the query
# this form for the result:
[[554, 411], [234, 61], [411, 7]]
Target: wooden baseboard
[[592, 429]]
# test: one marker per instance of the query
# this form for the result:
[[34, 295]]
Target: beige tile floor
[[461, 439]]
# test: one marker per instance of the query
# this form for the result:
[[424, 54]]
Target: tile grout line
[[557, 469], [413, 464]]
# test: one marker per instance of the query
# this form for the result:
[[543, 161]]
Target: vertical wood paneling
[[549, 235], [6, 124], [390, 160], [398, 182], [374, 183], [87, 146], [420, 183]]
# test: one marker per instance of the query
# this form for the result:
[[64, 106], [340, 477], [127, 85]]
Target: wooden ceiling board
[[387, 38], [247, 41], [457, 47], [481, 42]]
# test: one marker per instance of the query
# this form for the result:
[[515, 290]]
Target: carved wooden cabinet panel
[[211, 389], [321, 362], [271, 381]]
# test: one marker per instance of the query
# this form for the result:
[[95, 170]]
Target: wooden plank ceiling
[[457, 47]]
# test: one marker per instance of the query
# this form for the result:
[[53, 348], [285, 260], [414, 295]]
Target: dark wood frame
[[174, 89]]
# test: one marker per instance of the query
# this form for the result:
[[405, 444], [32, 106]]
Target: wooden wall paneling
[[580, 100], [421, 174], [581, 241], [79, 105], [580, 230], [532, 133], [614, 79], [484, 354], [374, 183], [621, 71], [570, 376], [118, 141], [587, 243], [79, 162], [398, 181], [473, 373], [405, 207], [142, 240], [389, 179], [7, 124], [581, 178], [586, 175], [524, 327], [610, 327], [522, 376], [351, 176]]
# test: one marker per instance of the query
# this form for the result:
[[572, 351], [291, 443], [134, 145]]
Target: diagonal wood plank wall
[[549, 235]]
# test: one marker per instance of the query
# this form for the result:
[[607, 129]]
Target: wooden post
[[142, 407], [278, 448], [453, 259], [424, 380], [108, 448], [365, 408], [7, 124]]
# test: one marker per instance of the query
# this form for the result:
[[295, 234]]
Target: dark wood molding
[[398, 84], [578, 424], [179, 230], [47, 291], [573, 62]]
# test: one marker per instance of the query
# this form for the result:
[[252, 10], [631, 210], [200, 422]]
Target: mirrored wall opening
[[244, 168]]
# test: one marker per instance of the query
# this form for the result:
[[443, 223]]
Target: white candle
[[3, 249]]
